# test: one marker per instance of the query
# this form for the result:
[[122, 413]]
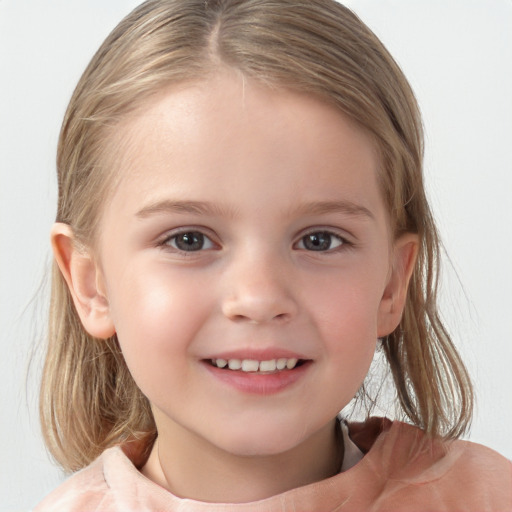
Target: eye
[[189, 241], [320, 241]]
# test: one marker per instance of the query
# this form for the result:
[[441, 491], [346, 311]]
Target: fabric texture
[[402, 470]]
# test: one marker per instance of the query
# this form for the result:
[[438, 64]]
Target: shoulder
[[110, 483], [445, 455], [83, 491], [87, 489], [451, 475]]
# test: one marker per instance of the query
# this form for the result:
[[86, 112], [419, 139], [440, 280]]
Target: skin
[[267, 167]]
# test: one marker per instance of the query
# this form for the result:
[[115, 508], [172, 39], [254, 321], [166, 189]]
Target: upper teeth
[[252, 365]]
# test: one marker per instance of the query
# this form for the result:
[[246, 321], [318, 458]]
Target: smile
[[258, 374], [255, 366]]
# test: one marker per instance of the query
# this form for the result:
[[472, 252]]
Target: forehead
[[233, 134]]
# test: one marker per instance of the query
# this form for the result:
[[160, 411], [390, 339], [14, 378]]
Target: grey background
[[458, 57]]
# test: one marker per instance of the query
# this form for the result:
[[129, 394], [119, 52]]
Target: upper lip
[[258, 355]]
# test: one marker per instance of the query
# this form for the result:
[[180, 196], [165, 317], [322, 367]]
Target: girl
[[241, 222]]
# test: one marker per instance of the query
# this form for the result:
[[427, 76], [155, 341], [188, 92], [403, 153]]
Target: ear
[[393, 300], [85, 282]]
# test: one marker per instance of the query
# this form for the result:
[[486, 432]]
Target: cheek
[[348, 304], [347, 320], [156, 316]]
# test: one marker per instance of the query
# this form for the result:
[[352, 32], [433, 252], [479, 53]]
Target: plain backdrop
[[458, 57]]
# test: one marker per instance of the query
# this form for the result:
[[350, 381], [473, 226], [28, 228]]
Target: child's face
[[247, 225]]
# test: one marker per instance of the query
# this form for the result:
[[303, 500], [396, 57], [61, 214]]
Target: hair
[[89, 400]]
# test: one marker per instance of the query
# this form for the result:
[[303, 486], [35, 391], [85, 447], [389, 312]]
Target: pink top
[[402, 470]]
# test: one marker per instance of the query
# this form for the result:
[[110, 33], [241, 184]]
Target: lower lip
[[259, 383]]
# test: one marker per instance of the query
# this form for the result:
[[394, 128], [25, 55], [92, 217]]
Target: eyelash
[[343, 243], [170, 241]]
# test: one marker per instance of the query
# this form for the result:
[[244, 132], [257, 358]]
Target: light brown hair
[[89, 400]]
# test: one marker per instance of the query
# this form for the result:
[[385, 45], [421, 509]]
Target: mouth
[[258, 376], [255, 366]]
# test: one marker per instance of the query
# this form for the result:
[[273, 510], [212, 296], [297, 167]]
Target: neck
[[200, 471]]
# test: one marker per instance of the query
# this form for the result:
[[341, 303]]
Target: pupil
[[317, 241], [190, 241]]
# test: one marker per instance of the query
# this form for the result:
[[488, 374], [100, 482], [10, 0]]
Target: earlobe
[[84, 280], [393, 300]]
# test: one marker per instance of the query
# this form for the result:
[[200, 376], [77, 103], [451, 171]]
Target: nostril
[[260, 319], [259, 308]]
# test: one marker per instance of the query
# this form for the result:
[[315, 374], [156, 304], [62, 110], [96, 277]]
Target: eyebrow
[[190, 207], [211, 209], [343, 206]]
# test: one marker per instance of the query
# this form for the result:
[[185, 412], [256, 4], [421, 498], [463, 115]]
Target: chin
[[262, 441]]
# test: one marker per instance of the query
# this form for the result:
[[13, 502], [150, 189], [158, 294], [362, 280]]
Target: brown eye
[[190, 241], [320, 241]]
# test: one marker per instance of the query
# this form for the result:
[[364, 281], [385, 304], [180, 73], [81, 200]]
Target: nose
[[259, 290]]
